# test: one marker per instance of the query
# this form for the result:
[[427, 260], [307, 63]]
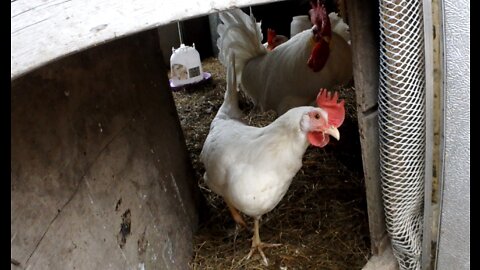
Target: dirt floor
[[322, 220]]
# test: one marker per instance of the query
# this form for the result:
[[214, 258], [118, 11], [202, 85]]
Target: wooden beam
[[45, 30]]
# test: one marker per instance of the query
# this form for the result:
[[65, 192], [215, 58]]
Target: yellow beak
[[333, 131]]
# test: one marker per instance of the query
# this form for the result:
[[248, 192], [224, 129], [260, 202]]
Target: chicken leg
[[257, 244], [236, 215]]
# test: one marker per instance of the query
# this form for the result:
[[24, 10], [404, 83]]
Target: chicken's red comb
[[319, 18], [328, 102], [270, 35], [318, 4]]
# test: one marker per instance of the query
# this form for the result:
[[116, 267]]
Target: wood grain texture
[[364, 30], [45, 30], [363, 18], [101, 177]]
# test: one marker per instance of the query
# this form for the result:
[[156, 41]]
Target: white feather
[[241, 34], [339, 26]]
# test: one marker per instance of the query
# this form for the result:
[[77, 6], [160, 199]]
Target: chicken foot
[[257, 244]]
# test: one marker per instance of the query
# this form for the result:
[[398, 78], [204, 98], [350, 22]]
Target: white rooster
[[251, 167], [291, 74]]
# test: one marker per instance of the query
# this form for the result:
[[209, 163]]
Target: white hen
[[251, 167]]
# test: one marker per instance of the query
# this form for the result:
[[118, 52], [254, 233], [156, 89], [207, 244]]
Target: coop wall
[[454, 238], [100, 175]]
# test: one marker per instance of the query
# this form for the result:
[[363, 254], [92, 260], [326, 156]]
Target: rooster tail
[[339, 26], [241, 34], [230, 102]]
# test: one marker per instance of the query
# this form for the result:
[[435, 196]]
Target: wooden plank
[[364, 30], [97, 146], [45, 30], [368, 126], [363, 18]]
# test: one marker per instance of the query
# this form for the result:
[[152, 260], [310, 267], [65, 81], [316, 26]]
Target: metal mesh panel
[[402, 126]]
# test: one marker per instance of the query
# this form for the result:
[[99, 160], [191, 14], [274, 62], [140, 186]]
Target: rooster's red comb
[[328, 102], [319, 18]]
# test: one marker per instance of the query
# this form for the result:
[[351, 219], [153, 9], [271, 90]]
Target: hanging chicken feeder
[[186, 68]]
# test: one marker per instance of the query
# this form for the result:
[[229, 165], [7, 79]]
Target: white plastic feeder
[[185, 66]]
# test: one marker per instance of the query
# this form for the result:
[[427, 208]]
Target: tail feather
[[240, 34], [230, 103], [339, 26]]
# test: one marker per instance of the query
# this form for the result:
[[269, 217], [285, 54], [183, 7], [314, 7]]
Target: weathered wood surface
[[44, 30], [363, 18], [96, 147], [364, 30]]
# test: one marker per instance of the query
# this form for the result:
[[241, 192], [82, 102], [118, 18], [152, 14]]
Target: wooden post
[[363, 20]]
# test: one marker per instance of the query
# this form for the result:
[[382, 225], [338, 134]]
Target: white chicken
[[291, 74], [251, 168]]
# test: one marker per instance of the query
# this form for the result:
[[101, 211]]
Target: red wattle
[[318, 139], [319, 56]]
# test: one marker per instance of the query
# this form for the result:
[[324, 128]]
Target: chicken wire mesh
[[402, 126]]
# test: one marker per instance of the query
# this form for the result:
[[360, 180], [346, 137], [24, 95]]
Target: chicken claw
[[260, 247], [257, 244]]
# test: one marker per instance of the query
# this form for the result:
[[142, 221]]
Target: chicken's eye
[[317, 116]]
